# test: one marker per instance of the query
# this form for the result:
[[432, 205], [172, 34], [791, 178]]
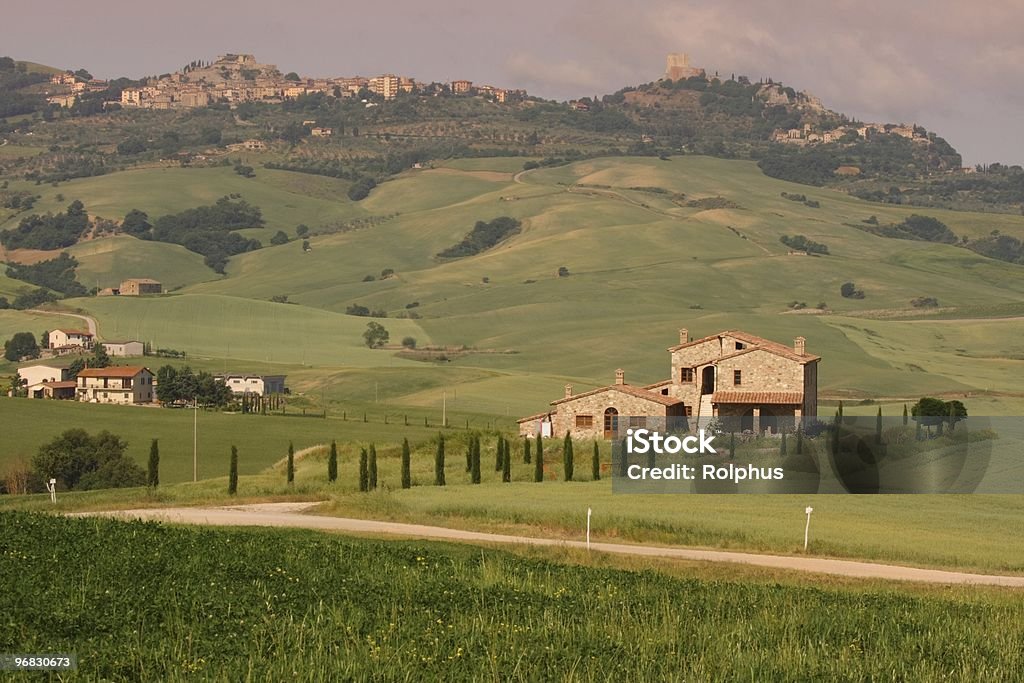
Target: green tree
[[595, 463], [799, 441], [21, 345], [375, 335], [364, 470], [538, 461], [153, 473], [279, 238], [475, 465], [406, 465], [373, 467], [332, 462], [301, 230], [782, 446], [567, 457], [292, 76], [506, 461], [878, 426], [439, 462], [905, 417], [526, 450], [291, 463], [136, 223], [499, 453], [79, 460], [233, 472]]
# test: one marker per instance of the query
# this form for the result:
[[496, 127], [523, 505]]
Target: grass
[[901, 529], [290, 604], [108, 262]]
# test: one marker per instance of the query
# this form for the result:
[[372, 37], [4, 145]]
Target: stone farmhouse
[[124, 385], [140, 286], [731, 374]]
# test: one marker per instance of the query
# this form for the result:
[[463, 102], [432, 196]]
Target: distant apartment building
[[257, 385], [124, 385], [254, 145], [387, 86], [139, 287], [462, 87], [63, 78], [322, 132]]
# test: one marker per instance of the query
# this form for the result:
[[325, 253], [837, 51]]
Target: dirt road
[[89, 320], [291, 515]]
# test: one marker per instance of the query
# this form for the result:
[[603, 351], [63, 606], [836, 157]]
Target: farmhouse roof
[[531, 418], [769, 397], [757, 343], [120, 371], [625, 389], [69, 384], [143, 280], [82, 333]]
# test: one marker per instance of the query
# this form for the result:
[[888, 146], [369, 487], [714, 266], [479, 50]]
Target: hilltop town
[[236, 78]]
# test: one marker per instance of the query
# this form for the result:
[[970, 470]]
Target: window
[[637, 421], [688, 411], [664, 392], [739, 346], [584, 421], [737, 377], [686, 375]]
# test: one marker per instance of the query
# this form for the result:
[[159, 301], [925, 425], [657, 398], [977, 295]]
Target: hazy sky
[[954, 67]]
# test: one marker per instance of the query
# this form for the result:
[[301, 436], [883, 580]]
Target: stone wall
[[595, 405]]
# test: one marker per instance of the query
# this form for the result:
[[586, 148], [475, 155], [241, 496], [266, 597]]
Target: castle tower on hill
[[677, 66]]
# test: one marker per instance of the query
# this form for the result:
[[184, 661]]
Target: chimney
[[799, 345], [684, 335], [568, 391], [620, 376]]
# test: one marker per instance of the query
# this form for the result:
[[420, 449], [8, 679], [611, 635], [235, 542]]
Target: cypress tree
[[233, 472], [732, 445], [840, 413], [595, 464], [506, 461], [291, 463], [439, 462], [364, 470], [499, 452], [567, 457], [332, 462], [538, 462], [782, 446], [469, 454], [153, 475], [906, 418], [917, 430], [475, 470], [878, 426], [526, 450], [799, 442], [373, 467], [406, 462]]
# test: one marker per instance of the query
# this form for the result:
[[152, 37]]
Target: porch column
[[757, 420]]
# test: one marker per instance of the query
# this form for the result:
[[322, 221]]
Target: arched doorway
[[611, 423], [747, 420], [707, 380]]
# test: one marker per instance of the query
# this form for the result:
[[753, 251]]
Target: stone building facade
[[760, 384]]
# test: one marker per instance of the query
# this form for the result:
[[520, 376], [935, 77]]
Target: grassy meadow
[[273, 604]]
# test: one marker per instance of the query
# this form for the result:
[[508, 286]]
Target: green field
[[107, 262], [271, 605]]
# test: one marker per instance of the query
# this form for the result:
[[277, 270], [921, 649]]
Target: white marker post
[[51, 486], [589, 511], [807, 529]]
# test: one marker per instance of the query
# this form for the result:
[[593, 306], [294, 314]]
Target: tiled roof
[[658, 385], [755, 343], [531, 418], [626, 389], [772, 397], [122, 371], [78, 332], [70, 384]]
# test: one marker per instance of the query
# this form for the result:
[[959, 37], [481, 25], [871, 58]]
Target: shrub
[[439, 462], [332, 462], [406, 465], [409, 342]]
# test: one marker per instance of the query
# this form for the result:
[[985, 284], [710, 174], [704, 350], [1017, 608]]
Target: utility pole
[[195, 440]]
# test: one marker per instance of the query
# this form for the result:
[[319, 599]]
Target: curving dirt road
[[290, 515], [89, 320]]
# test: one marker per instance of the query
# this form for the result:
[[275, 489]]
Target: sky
[[956, 68]]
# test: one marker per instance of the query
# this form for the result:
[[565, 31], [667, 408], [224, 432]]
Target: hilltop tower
[[677, 67]]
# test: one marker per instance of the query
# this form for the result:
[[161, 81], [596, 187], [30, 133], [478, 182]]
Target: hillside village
[[236, 78]]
